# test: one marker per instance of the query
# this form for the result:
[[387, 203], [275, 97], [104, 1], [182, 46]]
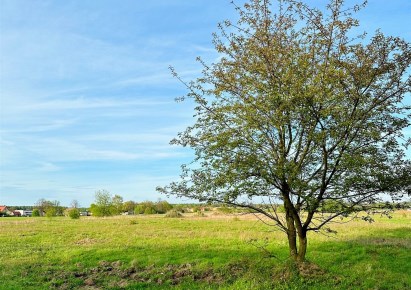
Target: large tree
[[299, 111]]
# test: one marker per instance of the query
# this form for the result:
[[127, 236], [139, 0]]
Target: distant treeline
[[107, 205]]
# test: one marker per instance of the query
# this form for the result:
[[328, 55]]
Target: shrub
[[51, 212], [3, 214], [162, 206], [149, 210], [173, 214], [35, 212], [74, 213], [180, 208]]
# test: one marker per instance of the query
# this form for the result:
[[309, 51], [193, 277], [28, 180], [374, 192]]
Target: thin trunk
[[302, 246], [294, 228], [292, 237]]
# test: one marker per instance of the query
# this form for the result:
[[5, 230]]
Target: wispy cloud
[[86, 97]]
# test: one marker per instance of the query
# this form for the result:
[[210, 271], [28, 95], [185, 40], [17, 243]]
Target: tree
[[117, 204], [128, 206], [103, 204], [299, 112], [36, 212], [40, 205], [162, 206], [74, 203], [146, 207], [49, 208]]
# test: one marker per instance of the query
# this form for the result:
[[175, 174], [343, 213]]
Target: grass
[[154, 252]]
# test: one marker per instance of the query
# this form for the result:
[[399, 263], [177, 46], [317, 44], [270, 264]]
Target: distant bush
[[51, 212], [180, 208], [150, 210], [149, 207], [35, 212], [173, 214], [74, 213], [162, 206]]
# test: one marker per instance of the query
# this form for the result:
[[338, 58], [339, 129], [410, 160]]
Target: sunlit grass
[[40, 253]]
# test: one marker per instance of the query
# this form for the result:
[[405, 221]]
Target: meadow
[[192, 252]]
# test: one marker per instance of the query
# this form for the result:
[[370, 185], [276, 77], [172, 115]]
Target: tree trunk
[[292, 243], [291, 235], [302, 246], [297, 253], [294, 228]]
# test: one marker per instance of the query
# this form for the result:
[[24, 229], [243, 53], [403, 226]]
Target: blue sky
[[86, 97]]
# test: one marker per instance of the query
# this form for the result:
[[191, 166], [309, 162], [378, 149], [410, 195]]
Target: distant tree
[[149, 210], [36, 212], [129, 206], [75, 204], [104, 205], [146, 207], [162, 206], [299, 111], [139, 209], [117, 204], [40, 205], [49, 208]]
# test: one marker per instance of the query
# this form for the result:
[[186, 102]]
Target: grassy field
[[214, 252]]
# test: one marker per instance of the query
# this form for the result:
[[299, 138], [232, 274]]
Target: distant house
[[16, 213], [24, 212], [4, 211]]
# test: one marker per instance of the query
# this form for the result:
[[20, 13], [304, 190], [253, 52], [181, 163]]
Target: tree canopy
[[299, 110]]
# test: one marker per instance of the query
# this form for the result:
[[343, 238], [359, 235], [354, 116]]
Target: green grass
[[153, 252]]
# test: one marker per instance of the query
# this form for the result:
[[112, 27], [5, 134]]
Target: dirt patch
[[310, 270], [117, 275]]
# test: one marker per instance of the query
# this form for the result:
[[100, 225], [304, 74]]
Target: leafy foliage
[[104, 205], [149, 207], [74, 213], [298, 111]]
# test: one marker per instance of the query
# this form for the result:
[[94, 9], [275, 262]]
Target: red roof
[[3, 208]]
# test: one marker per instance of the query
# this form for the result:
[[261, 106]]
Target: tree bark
[[292, 237], [302, 247], [297, 251], [294, 230]]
